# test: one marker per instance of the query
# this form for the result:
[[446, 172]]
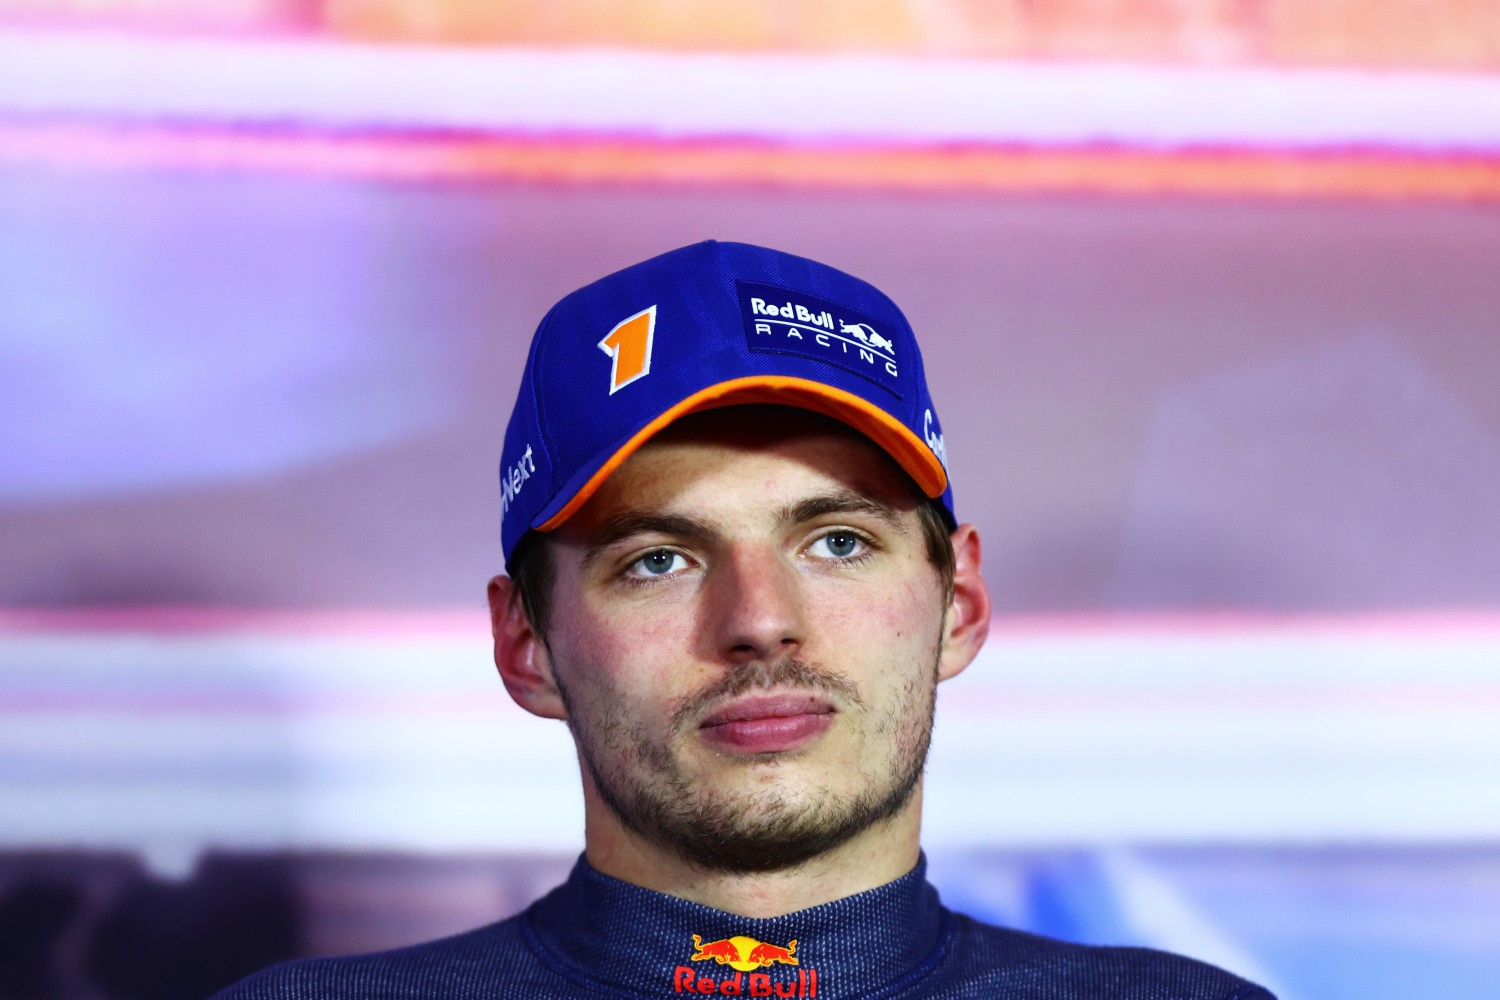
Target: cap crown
[[706, 325]]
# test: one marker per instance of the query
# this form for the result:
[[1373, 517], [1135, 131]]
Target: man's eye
[[837, 545], [657, 563]]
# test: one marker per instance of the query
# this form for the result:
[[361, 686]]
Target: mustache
[[760, 675]]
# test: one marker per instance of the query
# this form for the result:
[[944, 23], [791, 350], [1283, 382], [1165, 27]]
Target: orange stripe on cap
[[909, 451]]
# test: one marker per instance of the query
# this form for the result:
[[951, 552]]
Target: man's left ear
[[967, 622]]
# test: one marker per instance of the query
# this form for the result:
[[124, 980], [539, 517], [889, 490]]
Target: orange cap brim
[[898, 440]]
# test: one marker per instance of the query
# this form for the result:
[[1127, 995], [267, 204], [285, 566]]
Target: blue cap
[[709, 325]]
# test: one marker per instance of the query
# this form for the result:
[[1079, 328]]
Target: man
[[735, 574]]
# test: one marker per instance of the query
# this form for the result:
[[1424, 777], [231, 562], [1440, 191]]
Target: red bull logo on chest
[[745, 955]]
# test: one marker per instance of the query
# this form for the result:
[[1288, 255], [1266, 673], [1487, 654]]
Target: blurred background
[[1209, 297]]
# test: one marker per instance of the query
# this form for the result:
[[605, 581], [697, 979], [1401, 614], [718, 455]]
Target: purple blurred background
[[1156, 405]]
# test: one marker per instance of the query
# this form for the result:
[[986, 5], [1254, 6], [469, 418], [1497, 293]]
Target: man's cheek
[[845, 619], [622, 667]]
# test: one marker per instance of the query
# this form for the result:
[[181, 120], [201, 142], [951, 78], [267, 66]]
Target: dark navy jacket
[[595, 936]]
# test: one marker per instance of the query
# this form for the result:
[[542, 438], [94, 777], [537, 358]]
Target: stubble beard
[[641, 780]]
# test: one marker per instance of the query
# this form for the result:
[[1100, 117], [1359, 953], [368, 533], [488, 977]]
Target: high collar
[[615, 937]]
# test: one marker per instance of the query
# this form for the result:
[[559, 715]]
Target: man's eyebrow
[[843, 501], [629, 523]]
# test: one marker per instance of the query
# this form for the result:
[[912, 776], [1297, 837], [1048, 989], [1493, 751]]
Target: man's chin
[[750, 844], [750, 827]]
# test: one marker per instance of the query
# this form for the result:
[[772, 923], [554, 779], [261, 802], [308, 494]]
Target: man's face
[[746, 629]]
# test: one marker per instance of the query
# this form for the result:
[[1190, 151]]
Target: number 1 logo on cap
[[629, 345]]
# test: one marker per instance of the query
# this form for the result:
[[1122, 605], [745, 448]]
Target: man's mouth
[[767, 723]]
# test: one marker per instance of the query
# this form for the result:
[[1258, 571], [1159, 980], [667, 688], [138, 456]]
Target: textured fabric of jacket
[[595, 936]]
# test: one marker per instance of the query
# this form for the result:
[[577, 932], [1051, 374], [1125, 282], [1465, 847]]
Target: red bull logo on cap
[[745, 955], [780, 321]]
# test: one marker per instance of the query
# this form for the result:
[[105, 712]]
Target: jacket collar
[[614, 937]]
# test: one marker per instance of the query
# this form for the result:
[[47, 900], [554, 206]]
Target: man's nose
[[757, 607]]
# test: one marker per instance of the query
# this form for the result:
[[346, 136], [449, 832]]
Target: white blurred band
[[858, 99]]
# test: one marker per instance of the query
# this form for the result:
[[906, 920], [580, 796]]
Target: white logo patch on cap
[[787, 322]]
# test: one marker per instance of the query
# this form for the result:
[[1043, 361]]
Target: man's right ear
[[520, 655]]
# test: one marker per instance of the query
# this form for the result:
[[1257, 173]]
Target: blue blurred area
[[1331, 923], [173, 335]]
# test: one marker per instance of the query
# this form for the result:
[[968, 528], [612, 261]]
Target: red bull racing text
[[745, 956]]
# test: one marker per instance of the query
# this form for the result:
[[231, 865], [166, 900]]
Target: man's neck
[[884, 852]]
